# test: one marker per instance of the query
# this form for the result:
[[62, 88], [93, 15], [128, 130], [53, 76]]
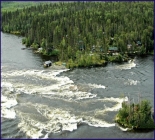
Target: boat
[[47, 63]]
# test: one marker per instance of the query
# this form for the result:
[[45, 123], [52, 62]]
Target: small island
[[136, 116]]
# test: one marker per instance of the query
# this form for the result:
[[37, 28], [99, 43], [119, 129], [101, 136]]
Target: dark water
[[57, 103]]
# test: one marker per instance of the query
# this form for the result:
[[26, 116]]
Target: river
[[38, 102]]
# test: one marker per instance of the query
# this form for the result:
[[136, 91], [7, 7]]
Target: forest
[[81, 33]]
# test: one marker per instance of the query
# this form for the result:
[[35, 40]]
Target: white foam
[[30, 131], [119, 100], [58, 120], [42, 73], [123, 129], [96, 86], [97, 123], [61, 82], [101, 123], [78, 95], [131, 82], [69, 127], [32, 128], [3, 99], [55, 73], [7, 113], [7, 85], [126, 66], [9, 103], [6, 105], [116, 107], [45, 137], [62, 87]]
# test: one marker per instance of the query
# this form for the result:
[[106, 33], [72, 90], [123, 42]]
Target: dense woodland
[[71, 30]]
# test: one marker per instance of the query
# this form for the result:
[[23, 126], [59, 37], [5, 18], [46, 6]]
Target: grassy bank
[[14, 5]]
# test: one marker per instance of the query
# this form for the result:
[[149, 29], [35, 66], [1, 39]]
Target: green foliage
[[70, 64], [142, 50], [85, 60], [64, 24], [55, 52], [145, 106], [35, 45], [44, 52], [138, 116], [43, 43], [115, 58], [27, 42], [15, 32], [23, 40], [119, 58]]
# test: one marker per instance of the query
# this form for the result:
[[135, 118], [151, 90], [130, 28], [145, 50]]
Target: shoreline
[[108, 58]]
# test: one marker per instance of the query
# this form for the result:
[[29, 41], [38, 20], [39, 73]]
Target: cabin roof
[[129, 45], [138, 42], [40, 49], [80, 41], [48, 62], [113, 49]]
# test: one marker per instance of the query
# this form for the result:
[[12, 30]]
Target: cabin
[[81, 46], [49, 50], [93, 48], [129, 46], [113, 49], [138, 43], [101, 49], [47, 63], [40, 49]]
